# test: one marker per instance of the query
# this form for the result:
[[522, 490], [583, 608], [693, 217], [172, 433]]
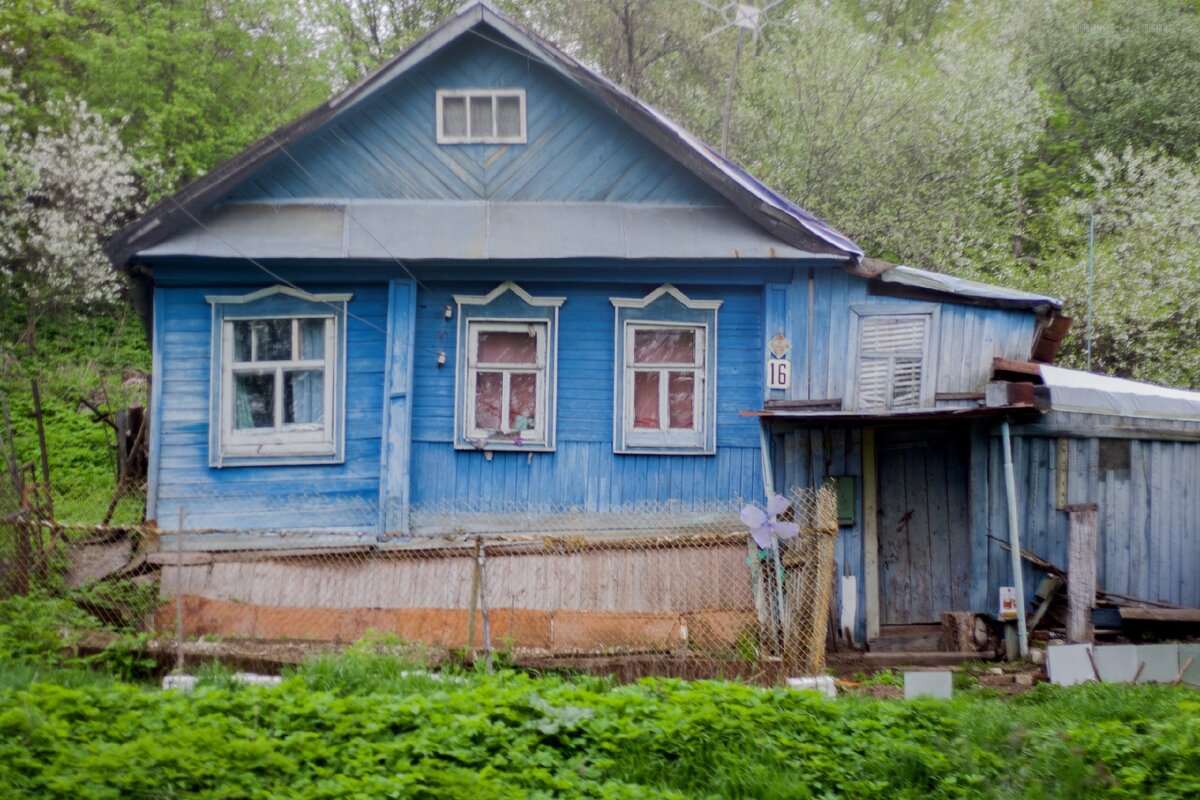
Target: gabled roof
[[780, 217]]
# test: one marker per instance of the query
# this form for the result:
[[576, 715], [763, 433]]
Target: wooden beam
[[1001, 364], [1135, 614]]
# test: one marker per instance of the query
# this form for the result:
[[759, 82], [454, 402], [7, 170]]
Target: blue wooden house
[[485, 283]]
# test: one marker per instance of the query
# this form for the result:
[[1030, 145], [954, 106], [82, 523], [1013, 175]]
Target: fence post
[[483, 609], [179, 596]]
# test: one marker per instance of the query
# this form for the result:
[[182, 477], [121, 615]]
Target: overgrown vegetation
[[368, 726]]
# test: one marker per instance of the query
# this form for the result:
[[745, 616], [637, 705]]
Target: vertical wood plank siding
[[1149, 516], [969, 337], [578, 151]]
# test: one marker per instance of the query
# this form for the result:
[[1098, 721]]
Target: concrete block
[[938, 684], [254, 679], [1117, 663], [1161, 662], [1069, 664], [1191, 675], [184, 683], [823, 684]]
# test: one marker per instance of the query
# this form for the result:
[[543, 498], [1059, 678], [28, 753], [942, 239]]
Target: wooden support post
[[1081, 571], [870, 533]]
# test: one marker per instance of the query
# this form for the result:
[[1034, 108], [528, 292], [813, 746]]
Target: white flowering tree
[[1146, 312], [64, 187]]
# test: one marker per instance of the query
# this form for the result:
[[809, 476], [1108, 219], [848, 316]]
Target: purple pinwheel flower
[[765, 525]]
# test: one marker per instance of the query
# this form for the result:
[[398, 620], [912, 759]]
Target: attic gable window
[[892, 358], [481, 116]]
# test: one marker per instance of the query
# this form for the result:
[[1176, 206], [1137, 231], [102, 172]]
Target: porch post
[[870, 532]]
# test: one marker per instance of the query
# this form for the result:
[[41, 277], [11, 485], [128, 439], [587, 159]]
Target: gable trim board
[[776, 215]]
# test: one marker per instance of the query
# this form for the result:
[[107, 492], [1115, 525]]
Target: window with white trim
[[665, 374], [505, 370], [664, 384], [892, 366], [507, 381], [277, 378], [481, 116]]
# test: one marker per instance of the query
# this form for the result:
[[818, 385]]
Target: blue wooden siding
[[969, 336], [1149, 517], [810, 456], [583, 471], [577, 150], [331, 497]]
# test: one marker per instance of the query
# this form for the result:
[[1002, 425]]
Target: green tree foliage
[[191, 82]]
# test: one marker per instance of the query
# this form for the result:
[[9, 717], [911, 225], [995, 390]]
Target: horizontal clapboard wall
[[334, 497]]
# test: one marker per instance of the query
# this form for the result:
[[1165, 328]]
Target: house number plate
[[779, 373]]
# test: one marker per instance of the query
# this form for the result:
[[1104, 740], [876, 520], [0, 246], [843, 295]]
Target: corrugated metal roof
[[474, 230], [779, 217]]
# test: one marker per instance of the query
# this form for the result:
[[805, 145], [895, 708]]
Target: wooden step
[[931, 658], [908, 639]]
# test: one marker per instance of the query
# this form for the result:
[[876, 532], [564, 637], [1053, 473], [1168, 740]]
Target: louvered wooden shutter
[[890, 361]]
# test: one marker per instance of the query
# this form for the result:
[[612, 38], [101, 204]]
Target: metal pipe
[[1014, 541], [1091, 282]]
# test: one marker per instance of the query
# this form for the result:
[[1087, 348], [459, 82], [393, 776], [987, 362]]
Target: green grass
[[368, 725]]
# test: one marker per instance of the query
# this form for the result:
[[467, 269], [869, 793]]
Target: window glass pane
[[508, 116], [274, 337], [489, 390], [454, 116], [481, 117], [522, 401], [254, 400], [507, 347], [303, 396], [241, 340], [681, 399], [312, 339], [645, 400], [906, 382], [664, 346]]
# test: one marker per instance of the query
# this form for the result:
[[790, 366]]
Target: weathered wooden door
[[924, 540]]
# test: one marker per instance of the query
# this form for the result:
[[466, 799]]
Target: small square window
[[481, 116], [891, 369]]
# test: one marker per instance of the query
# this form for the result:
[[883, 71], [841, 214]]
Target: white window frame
[[666, 436], [929, 354], [541, 329], [492, 137], [308, 439]]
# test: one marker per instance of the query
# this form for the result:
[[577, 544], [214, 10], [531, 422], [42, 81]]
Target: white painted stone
[[1068, 664], [938, 684], [184, 683], [1117, 663], [1161, 662], [253, 679], [822, 684]]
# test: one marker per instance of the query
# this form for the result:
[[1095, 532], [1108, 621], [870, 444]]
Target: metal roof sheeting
[[474, 230], [948, 284], [1084, 392]]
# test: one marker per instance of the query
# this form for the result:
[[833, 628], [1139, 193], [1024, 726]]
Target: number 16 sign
[[779, 373]]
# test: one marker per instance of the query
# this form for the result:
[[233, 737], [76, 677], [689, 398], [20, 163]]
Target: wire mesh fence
[[660, 582]]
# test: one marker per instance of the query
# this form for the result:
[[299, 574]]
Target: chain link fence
[[662, 585]]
